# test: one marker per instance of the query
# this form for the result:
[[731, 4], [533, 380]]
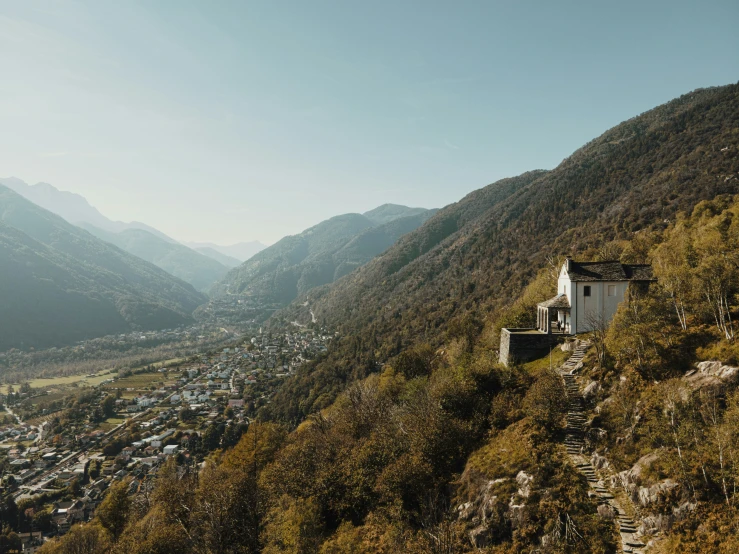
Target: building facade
[[588, 295]]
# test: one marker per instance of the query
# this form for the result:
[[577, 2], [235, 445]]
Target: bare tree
[[598, 325]]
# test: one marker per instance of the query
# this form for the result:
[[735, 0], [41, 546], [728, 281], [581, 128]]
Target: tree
[[87, 538], [186, 414], [546, 400], [293, 527], [226, 511], [113, 510], [108, 406], [671, 263], [598, 324]]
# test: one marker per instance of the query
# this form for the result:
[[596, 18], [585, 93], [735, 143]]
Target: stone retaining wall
[[523, 345]]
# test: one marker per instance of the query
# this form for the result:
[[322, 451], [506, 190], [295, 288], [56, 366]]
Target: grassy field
[[137, 381], [558, 358], [164, 363], [63, 381]]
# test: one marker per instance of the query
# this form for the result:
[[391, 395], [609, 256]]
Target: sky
[[250, 120]]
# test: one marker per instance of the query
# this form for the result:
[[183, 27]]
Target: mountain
[[228, 261], [390, 212], [241, 251], [192, 267], [60, 284], [73, 207], [318, 255], [470, 261]]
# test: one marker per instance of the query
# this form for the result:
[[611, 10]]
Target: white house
[[588, 293]]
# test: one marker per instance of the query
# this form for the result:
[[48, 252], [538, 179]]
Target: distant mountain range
[[236, 252], [73, 207], [321, 254], [199, 270], [194, 265], [60, 284]]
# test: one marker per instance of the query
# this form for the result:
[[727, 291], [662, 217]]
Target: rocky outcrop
[[634, 476], [710, 374], [591, 390], [524, 481]]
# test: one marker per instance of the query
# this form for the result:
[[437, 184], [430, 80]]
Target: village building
[[588, 295]]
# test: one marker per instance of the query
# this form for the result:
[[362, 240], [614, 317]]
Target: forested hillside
[[473, 258], [320, 255], [192, 267], [59, 284], [443, 450]]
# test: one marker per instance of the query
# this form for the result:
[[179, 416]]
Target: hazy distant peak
[[241, 251], [389, 212], [73, 207]]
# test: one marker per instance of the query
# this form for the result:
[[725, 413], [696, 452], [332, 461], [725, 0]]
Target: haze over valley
[[348, 278]]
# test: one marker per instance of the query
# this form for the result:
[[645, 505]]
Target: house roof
[[609, 271], [559, 301]]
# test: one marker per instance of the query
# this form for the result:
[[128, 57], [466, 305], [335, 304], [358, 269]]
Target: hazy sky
[[230, 121]]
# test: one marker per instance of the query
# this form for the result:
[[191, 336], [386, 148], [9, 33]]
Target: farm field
[[137, 382], [42, 383]]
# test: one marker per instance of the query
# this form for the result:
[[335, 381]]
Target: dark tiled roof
[[609, 271], [559, 301]]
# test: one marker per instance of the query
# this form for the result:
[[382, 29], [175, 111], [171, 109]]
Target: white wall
[[598, 302], [564, 285]]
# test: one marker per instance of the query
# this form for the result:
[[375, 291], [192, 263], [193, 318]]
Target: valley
[[344, 388]]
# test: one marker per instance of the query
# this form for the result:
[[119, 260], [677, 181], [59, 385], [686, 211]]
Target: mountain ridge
[[61, 284], [73, 207], [321, 254], [477, 256], [185, 263]]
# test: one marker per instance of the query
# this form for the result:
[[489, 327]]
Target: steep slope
[[73, 207], [59, 284], [637, 175], [316, 256], [190, 266], [228, 261]]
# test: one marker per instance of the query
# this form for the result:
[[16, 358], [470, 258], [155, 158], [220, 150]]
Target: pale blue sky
[[230, 121]]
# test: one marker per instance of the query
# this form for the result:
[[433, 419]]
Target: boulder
[[480, 537], [659, 523], [711, 373], [524, 481], [606, 511], [598, 461], [649, 495], [633, 476], [465, 511], [591, 390]]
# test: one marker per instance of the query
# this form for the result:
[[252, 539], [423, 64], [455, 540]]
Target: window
[[611, 290], [586, 290]]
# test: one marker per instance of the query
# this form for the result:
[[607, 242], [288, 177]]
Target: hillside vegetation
[[319, 255], [199, 270], [443, 450], [473, 258], [59, 284]]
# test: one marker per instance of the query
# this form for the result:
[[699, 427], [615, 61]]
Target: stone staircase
[[575, 444]]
